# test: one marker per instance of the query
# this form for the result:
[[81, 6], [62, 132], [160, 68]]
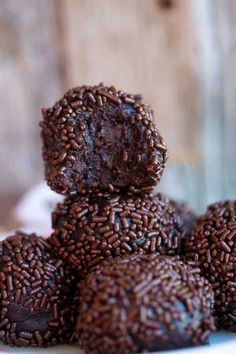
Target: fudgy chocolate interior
[[112, 147], [27, 321]]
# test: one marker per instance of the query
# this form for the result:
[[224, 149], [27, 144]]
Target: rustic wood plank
[[209, 70], [226, 32], [216, 28], [180, 56], [30, 79]]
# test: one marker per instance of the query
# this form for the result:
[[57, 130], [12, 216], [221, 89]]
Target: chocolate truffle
[[91, 228], [37, 294], [212, 246], [186, 215], [144, 303], [99, 138]]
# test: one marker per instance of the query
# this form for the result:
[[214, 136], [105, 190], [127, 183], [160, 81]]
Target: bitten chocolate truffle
[[91, 228], [144, 303], [212, 246], [186, 214], [37, 294], [100, 138]]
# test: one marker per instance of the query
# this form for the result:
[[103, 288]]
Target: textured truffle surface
[[212, 246], [97, 137], [92, 228], [144, 303], [37, 294]]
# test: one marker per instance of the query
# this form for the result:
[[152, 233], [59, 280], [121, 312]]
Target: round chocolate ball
[[91, 228], [212, 246], [186, 215], [144, 303], [37, 294], [100, 138]]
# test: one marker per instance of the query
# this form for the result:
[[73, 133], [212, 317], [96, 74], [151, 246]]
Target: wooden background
[[179, 53]]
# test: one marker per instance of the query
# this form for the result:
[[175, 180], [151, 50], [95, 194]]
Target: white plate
[[220, 343]]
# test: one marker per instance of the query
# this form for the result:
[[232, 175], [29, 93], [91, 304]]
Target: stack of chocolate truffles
[[103, 151], [114, 275]]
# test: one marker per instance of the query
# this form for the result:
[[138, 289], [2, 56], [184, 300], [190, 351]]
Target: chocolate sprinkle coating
[[91, 228], [37, 294], [212, 246], [99, 138], [144, 303], [186, 214]]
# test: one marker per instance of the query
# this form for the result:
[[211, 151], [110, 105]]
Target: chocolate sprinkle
[[212, 246], [99, 138], [91, 228], [144, 303], [37, 294]]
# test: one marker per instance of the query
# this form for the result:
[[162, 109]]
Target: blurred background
[[180, 54]]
